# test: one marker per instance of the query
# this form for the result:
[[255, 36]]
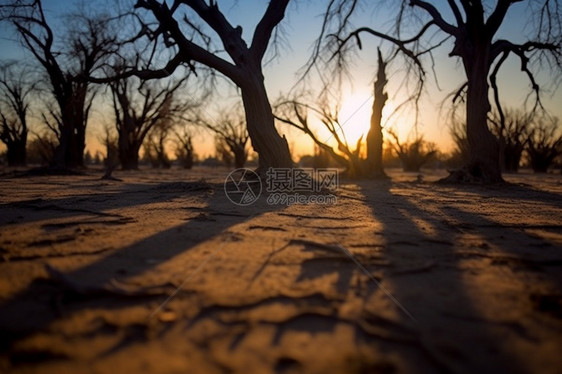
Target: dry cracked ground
[[161, 273]]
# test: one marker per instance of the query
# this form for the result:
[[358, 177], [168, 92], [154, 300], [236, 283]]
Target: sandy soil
[[161, 273]]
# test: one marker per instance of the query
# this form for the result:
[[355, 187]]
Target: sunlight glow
[[355, 115]]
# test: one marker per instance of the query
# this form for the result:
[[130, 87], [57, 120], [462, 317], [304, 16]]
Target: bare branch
[[273, 15], [436, 16], [498, 15]]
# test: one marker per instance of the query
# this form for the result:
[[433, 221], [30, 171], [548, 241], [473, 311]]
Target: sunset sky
[[301, 27]]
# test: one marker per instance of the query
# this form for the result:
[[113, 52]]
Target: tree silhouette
[[295, 112], [14, 108], [185, 153], [231, 135], [461, 153], [88, 43], [375, 136], [512, 129], [155, 145], [413, 154], [357, 167], [139, 106], [111, 161], [473, 28], [243, 66], [544, 144]]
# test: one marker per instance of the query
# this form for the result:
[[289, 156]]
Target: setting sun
[[355, 115]]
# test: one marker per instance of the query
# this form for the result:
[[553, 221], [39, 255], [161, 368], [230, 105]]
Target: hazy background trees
[[67, 59], [544, 143], [230, 134], [525, 138], [414, 153], [512, 129], [139, 106], [185, 152], [15, 91]]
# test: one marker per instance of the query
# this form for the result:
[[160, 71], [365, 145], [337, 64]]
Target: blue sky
[[301, 27]]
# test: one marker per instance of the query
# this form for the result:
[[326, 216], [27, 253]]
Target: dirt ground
[[161, 273]]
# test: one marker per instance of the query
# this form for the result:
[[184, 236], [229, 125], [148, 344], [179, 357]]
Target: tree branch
[[520, 50], [498, 15], [456, 12], [272, 17], [188, 49], [436, 16]]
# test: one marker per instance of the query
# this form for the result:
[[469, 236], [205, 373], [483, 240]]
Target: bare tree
[[88, 43], [191, 45], [41, 148], [473, 27], [222, 152], [457, 130], [413, 154], [184, 148], [231, 134], [544, 144], [295, 113], [512, 129], [155, 150], [14, 108], [357, 167], [111, 161], [139, 105]]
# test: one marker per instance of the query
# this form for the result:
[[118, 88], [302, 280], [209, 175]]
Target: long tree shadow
[[432, 281], [97, 205], [39, 305]]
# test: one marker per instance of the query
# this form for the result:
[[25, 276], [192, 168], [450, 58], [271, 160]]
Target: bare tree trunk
[[128, 148], [16, 152], [59, 156], [484, 164], [72, 140], [512, 157], [128, 155], [374, 136], [484, 148], [272, 148], [239, 157]]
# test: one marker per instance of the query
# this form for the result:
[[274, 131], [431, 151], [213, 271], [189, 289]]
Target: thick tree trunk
[[484, 148], [484, 164], [129, 158], [239, 157], [59, 156], [128, 152], [272, 149], [72, 140]]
